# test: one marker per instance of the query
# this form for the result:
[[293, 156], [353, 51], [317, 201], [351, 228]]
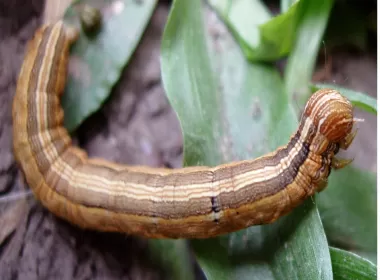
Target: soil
[[136, 126]]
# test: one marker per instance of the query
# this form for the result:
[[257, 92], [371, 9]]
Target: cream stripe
[[41, 94], [142, 191]]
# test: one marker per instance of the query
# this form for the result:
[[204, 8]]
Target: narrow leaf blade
[[349, 266], [96, 62]]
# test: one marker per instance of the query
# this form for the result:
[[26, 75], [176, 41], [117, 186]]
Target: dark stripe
[[52, 83], [38, 148], [266, 160], [196, 177], [32, 123], [38, 61], [215, 207], [257, 191]]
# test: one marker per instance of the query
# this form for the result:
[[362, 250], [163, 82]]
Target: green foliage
[[348, 266], [97, 61]]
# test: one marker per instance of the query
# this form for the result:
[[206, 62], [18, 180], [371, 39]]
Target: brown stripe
[[256, 191], [31, 91]]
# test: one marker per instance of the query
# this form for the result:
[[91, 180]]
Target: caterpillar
[[192, 202]]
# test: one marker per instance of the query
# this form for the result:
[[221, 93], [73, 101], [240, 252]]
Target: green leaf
[[261, 37], [348, 209], [286, 4], [96, 62], [173, 257], [313, 17], [215, 111], [348, 266], [360, 100], [214, 259], [193, 89]]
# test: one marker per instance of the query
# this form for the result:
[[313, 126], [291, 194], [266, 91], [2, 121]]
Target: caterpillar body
[[194, 202]]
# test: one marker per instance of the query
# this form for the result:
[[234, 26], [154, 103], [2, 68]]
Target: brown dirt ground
[[136, 126]]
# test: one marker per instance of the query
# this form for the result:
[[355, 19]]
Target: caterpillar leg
[[347, 141], [321, 185], [338, 163]]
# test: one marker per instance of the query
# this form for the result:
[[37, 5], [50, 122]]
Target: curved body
[[196, 202]]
